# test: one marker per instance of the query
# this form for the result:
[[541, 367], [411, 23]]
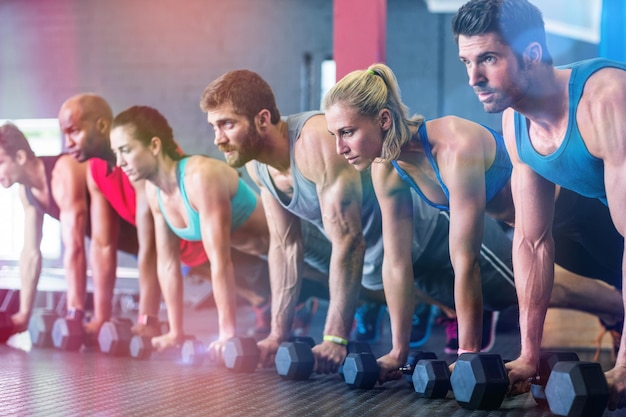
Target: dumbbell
[[294, 359], [191, 351], [114, 337], [547, 360], [241, 354], [67, 332], [430, 377], [40, 327], [10, 305], [355, 346], [577, 389], [479, 381]]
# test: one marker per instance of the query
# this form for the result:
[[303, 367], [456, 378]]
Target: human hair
[[13, 140], [147, 123], [245, 90], [370, 91], [517, 22]]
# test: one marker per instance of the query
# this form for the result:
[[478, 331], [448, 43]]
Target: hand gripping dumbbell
[[479, 381], [40, 327], [9, 306], [577, 389], [430, 377], [141, 348], [547, 360], [114, 337], [67, 332], [294, 359]]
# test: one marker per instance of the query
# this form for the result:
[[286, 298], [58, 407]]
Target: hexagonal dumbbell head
[[140, 347], [431, 378], [193, 352], [479, 381], [114, 337], [241, 354], [577, 389], [411, 363], [360, 370], [355, 346], [547, 360], [40, 328], [294, 360], [67, 334]]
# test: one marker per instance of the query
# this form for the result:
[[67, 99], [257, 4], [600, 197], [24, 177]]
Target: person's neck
[[164, 176], [545, 103], [275, 148]]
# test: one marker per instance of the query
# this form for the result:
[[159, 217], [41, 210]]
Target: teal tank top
[[243, 204], [571, 165]]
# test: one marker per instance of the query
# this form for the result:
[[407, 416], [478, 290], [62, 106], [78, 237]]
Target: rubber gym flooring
[[48, 382]]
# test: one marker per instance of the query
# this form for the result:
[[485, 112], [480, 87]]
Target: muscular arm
[[533, 252], [30, 262], [396, 208], [340, 194], [462, 163], [285, 259], [103, 249], [70, 193]]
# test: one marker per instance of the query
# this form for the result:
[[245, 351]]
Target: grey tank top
[[306, 205]]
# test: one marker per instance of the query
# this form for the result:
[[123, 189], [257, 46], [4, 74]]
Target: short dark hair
[[13, 140], [245, 90], [147, 123], [517, 22]]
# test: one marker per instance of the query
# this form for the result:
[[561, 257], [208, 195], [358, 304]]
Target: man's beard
[[245, 152]]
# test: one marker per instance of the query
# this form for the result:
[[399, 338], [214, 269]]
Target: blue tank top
[[571, 165], [306, 205], [496, 177], [243, 204]]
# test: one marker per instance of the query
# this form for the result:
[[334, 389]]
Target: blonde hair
[[370, 91]]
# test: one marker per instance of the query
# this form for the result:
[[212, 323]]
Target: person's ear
[[384, 116], [264, 119], [21, 157], [155, 145], [533, 54]]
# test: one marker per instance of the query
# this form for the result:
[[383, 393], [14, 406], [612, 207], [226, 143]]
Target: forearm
[[224, 292], [469, 303], [75, 265], [399, 293], [344, 281], [621, 355], [285, 282], [171, 282], [149, 289], [534, 277], [30, 270]]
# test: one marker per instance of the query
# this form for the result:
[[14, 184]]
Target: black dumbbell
[[114, 337], [547, 360], [67, 332], [577, 389], [141, 348], [294, 359], [414, 358], [479, 381], [10, 305], [360, 370], [355, 346], [241, 354], [430, 377], [40, 327]]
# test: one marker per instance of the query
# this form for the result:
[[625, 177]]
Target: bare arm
[[462, 162], [103, 249], [285, 258], [69, 190], [396, 208], [533, 254], [29, 263], [169, 274]]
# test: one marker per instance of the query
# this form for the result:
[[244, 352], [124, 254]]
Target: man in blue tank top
[[562, 126]]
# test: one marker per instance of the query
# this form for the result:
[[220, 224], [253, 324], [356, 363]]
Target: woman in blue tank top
[[453, 164], [196, 198]]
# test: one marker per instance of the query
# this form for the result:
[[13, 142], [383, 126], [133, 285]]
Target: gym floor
[[48, 382]]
